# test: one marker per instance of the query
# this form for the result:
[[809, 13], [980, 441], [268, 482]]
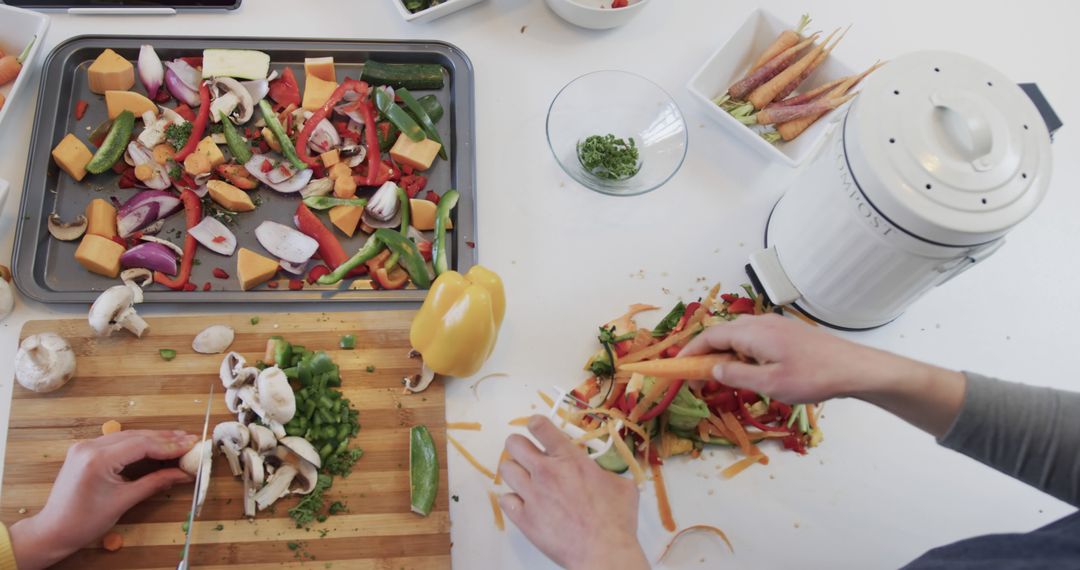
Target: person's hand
[[89, 493], [576, 513], [794, 363]]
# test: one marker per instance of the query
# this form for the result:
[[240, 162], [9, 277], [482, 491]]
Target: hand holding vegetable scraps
[[800, 364], [576, 513], [90, 494]]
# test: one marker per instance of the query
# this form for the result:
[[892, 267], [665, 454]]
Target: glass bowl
[[627, 106]]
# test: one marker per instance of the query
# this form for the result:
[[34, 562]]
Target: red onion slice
[[286, 243], [143, 209], [295, 183], [213, 235], [153, 256], [151, 71]]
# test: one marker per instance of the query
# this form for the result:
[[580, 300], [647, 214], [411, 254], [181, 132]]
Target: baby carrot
[[764, 94], [11, 65], [112, 541], [786, 39], [766, 72], [111, 426], [794, 128], [792, 86], [687, 367], [790, 113]]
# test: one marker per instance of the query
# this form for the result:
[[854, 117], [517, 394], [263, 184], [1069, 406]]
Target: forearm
[[926, 396], [32, 546]]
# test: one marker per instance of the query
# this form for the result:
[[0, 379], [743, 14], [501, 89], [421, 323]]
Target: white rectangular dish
[[729, 63], [426, 15], [17, 28]]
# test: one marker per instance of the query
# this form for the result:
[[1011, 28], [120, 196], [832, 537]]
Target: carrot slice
[[519, 422], [740, 466], [655, 350], [658, 389], [112, 541], [693, 528], [497, 510], [799, 314], [686, 367], [662, 502], [470, 457], [471, 426], [502, 457], [111, 426]]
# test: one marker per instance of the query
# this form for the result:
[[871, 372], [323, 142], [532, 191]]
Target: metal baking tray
[[45, 268]]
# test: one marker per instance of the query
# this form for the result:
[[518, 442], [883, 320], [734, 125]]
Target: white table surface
[[877, 493]]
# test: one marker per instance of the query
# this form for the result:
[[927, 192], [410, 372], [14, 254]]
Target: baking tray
[[45, 268]]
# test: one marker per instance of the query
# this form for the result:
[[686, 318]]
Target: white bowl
[[17, 28], [595, 14], [730, 63], [447, 7]]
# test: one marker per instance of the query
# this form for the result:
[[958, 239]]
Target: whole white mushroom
[[44, 362]]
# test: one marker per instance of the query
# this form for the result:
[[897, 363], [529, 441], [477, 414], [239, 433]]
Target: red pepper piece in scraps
[[741, 306], [296, 284], [220, 273]]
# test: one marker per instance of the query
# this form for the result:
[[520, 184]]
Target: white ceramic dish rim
[[610, 187], [42, 27], [633, 6], [432, 12]]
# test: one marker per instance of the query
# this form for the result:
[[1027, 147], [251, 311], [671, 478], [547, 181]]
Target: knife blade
[[198, 483]]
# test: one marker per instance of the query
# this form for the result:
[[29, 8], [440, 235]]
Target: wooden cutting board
[[124, 378]]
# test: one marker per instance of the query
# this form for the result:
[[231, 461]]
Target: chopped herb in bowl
[[608, 157]]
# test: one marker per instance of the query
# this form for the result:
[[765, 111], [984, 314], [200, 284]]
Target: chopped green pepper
[[410, 257], [371, 248], [282, 137], [167, 354], [254, 320], [422, 116], [405, 208], [442, 217], [238, 146], [327, 202], [396, 115], [347, 342]]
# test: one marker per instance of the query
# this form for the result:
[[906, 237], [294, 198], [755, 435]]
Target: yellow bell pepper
[[457, 325]]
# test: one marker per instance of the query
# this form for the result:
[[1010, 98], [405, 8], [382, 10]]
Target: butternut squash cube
[[422, 215], [330, 157], [101, 218], [208, 148], [254, 269], [229, 196], [418, 155], [317, 91], [110, 72], [72, 156], [119, 101], [100, 255], [346, 218], [320, 67]]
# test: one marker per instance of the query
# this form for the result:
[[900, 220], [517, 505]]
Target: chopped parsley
[[255, 320], [338, 507], [342, 463], [219, 527], [605, 156], [176, 173], [178, 135], [371, 368], [311, 505]]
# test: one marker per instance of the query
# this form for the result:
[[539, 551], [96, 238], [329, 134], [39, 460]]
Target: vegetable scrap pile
[[414, 6], [766, 95], [608, 157], [638, 417], [357, 149], [11, 65]]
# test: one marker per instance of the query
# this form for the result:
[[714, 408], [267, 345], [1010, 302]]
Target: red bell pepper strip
[[80, 109], [367, 111], [284, 90], [322, 113], [199, 126], [330, 249], [659, 408], [192, 215], [741, 306]]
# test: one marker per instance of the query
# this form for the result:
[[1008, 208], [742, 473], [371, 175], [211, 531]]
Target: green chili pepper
[[237, 144], [421, 115], [396, 115], [327, 202], [406, 250], [347, 342], [442, 217], [282, 137], [167, 354], [406, 209], [371, 248]]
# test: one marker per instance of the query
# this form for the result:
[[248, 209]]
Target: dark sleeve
[[1027, 432]]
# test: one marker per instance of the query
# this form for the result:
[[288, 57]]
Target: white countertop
[[877, 493]]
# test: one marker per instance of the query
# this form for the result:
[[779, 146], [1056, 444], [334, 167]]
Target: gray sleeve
[[1027, 432]]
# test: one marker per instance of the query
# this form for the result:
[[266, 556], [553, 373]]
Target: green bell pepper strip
[[327, 202], [421, 115], [442, 216], [371, 248], [409, 255], [282, 137], [431, 105], [396, 115], [406, 209], [234, 140]]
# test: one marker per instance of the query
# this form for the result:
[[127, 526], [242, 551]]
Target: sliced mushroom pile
[[271, 464]]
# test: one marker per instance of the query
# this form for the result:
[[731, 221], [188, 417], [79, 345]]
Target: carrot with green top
[[785, 40], [790, 87], [10, 65], [767, 72], [765, 93]]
